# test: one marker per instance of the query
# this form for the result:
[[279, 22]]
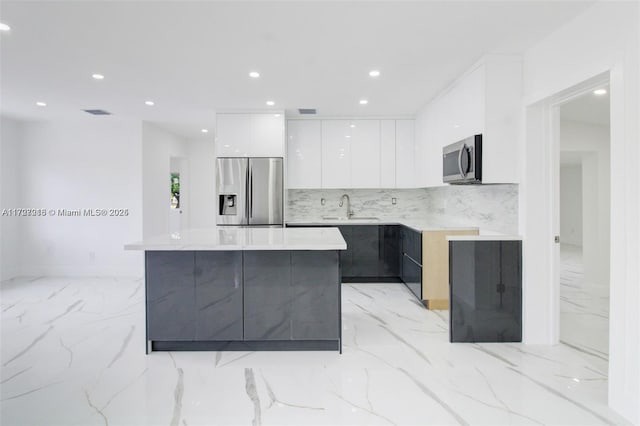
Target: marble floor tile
[[584, 308], [72, 353]]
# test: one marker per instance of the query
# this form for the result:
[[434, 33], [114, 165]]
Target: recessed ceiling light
[[149, 103], [374, 73], [98, 76], [363, 101], [254, 74], [600, 92], [41, 104], [270, 103], [276, 115], [205, 130], [352, 125], [4, 27]]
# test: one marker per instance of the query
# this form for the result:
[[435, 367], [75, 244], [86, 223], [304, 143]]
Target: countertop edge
[[484, 238]]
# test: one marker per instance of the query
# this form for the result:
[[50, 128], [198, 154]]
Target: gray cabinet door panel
[[218, 292], [267, 295], [170, 295], [316, 298], [485, 291], [346, 256], [365, 251], [412, 243], [390, 259], [412, 276]]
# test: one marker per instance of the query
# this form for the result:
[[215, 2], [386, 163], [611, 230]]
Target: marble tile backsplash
[[490, 207]]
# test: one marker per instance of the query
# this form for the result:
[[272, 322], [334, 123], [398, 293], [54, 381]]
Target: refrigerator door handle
[[250, 192], [247, 193]]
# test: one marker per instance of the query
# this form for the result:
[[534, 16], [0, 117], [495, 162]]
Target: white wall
[[84, 163], [158, 146], [202, 184], [571, 204], [11, 138], [605, 38]]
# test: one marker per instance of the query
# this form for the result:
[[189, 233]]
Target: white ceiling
[[192, 58]]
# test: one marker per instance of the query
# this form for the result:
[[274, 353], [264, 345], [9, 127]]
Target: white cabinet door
[[405, 154], [267, 135], [336, 154], [365, 153], [304, 152], [233, 135], [249, 135], [387, 153], [469, 104]]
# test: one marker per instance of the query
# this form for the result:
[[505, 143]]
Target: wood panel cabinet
[[435, 266]]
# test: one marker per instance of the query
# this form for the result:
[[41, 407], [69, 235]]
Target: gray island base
[[284, 298]]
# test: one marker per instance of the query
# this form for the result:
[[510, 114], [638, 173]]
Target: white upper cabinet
[[405, 154], [304, 152], [233, 135], [387, 153], [336, 154], [249, 135], [486, 100], [346, 154], [365, 153], [267, 134]]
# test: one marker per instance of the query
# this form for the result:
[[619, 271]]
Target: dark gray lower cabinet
[[235, 300], [390, 255], [365, 248], [411, 248], [218, 295], [171, 313], [316, 297], [372, 254], [267, 295], [412, 275], [485, 291]]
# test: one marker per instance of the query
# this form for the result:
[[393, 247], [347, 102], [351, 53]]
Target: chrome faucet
[[349, 211]]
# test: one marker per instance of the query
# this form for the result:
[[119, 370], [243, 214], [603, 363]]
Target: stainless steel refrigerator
[[249, 191]]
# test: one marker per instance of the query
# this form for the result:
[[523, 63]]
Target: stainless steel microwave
[[462, 161]]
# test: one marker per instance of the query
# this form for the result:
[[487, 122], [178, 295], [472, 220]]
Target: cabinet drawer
[[412, 244], [412, 276]]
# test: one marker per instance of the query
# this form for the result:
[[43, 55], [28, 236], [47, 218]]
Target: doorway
[[584, 222], [178, 194]]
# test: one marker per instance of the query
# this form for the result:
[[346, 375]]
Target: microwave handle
[[463, 148]]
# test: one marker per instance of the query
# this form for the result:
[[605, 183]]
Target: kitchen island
[[230, 288]]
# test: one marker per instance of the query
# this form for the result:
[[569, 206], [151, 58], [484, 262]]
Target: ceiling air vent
[[97, 111], [307, 111]]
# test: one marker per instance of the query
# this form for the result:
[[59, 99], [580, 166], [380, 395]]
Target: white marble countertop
[[415, 224], [237, 238]]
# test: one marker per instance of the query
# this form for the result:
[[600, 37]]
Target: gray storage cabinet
[[243, 300], [485, 291]]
